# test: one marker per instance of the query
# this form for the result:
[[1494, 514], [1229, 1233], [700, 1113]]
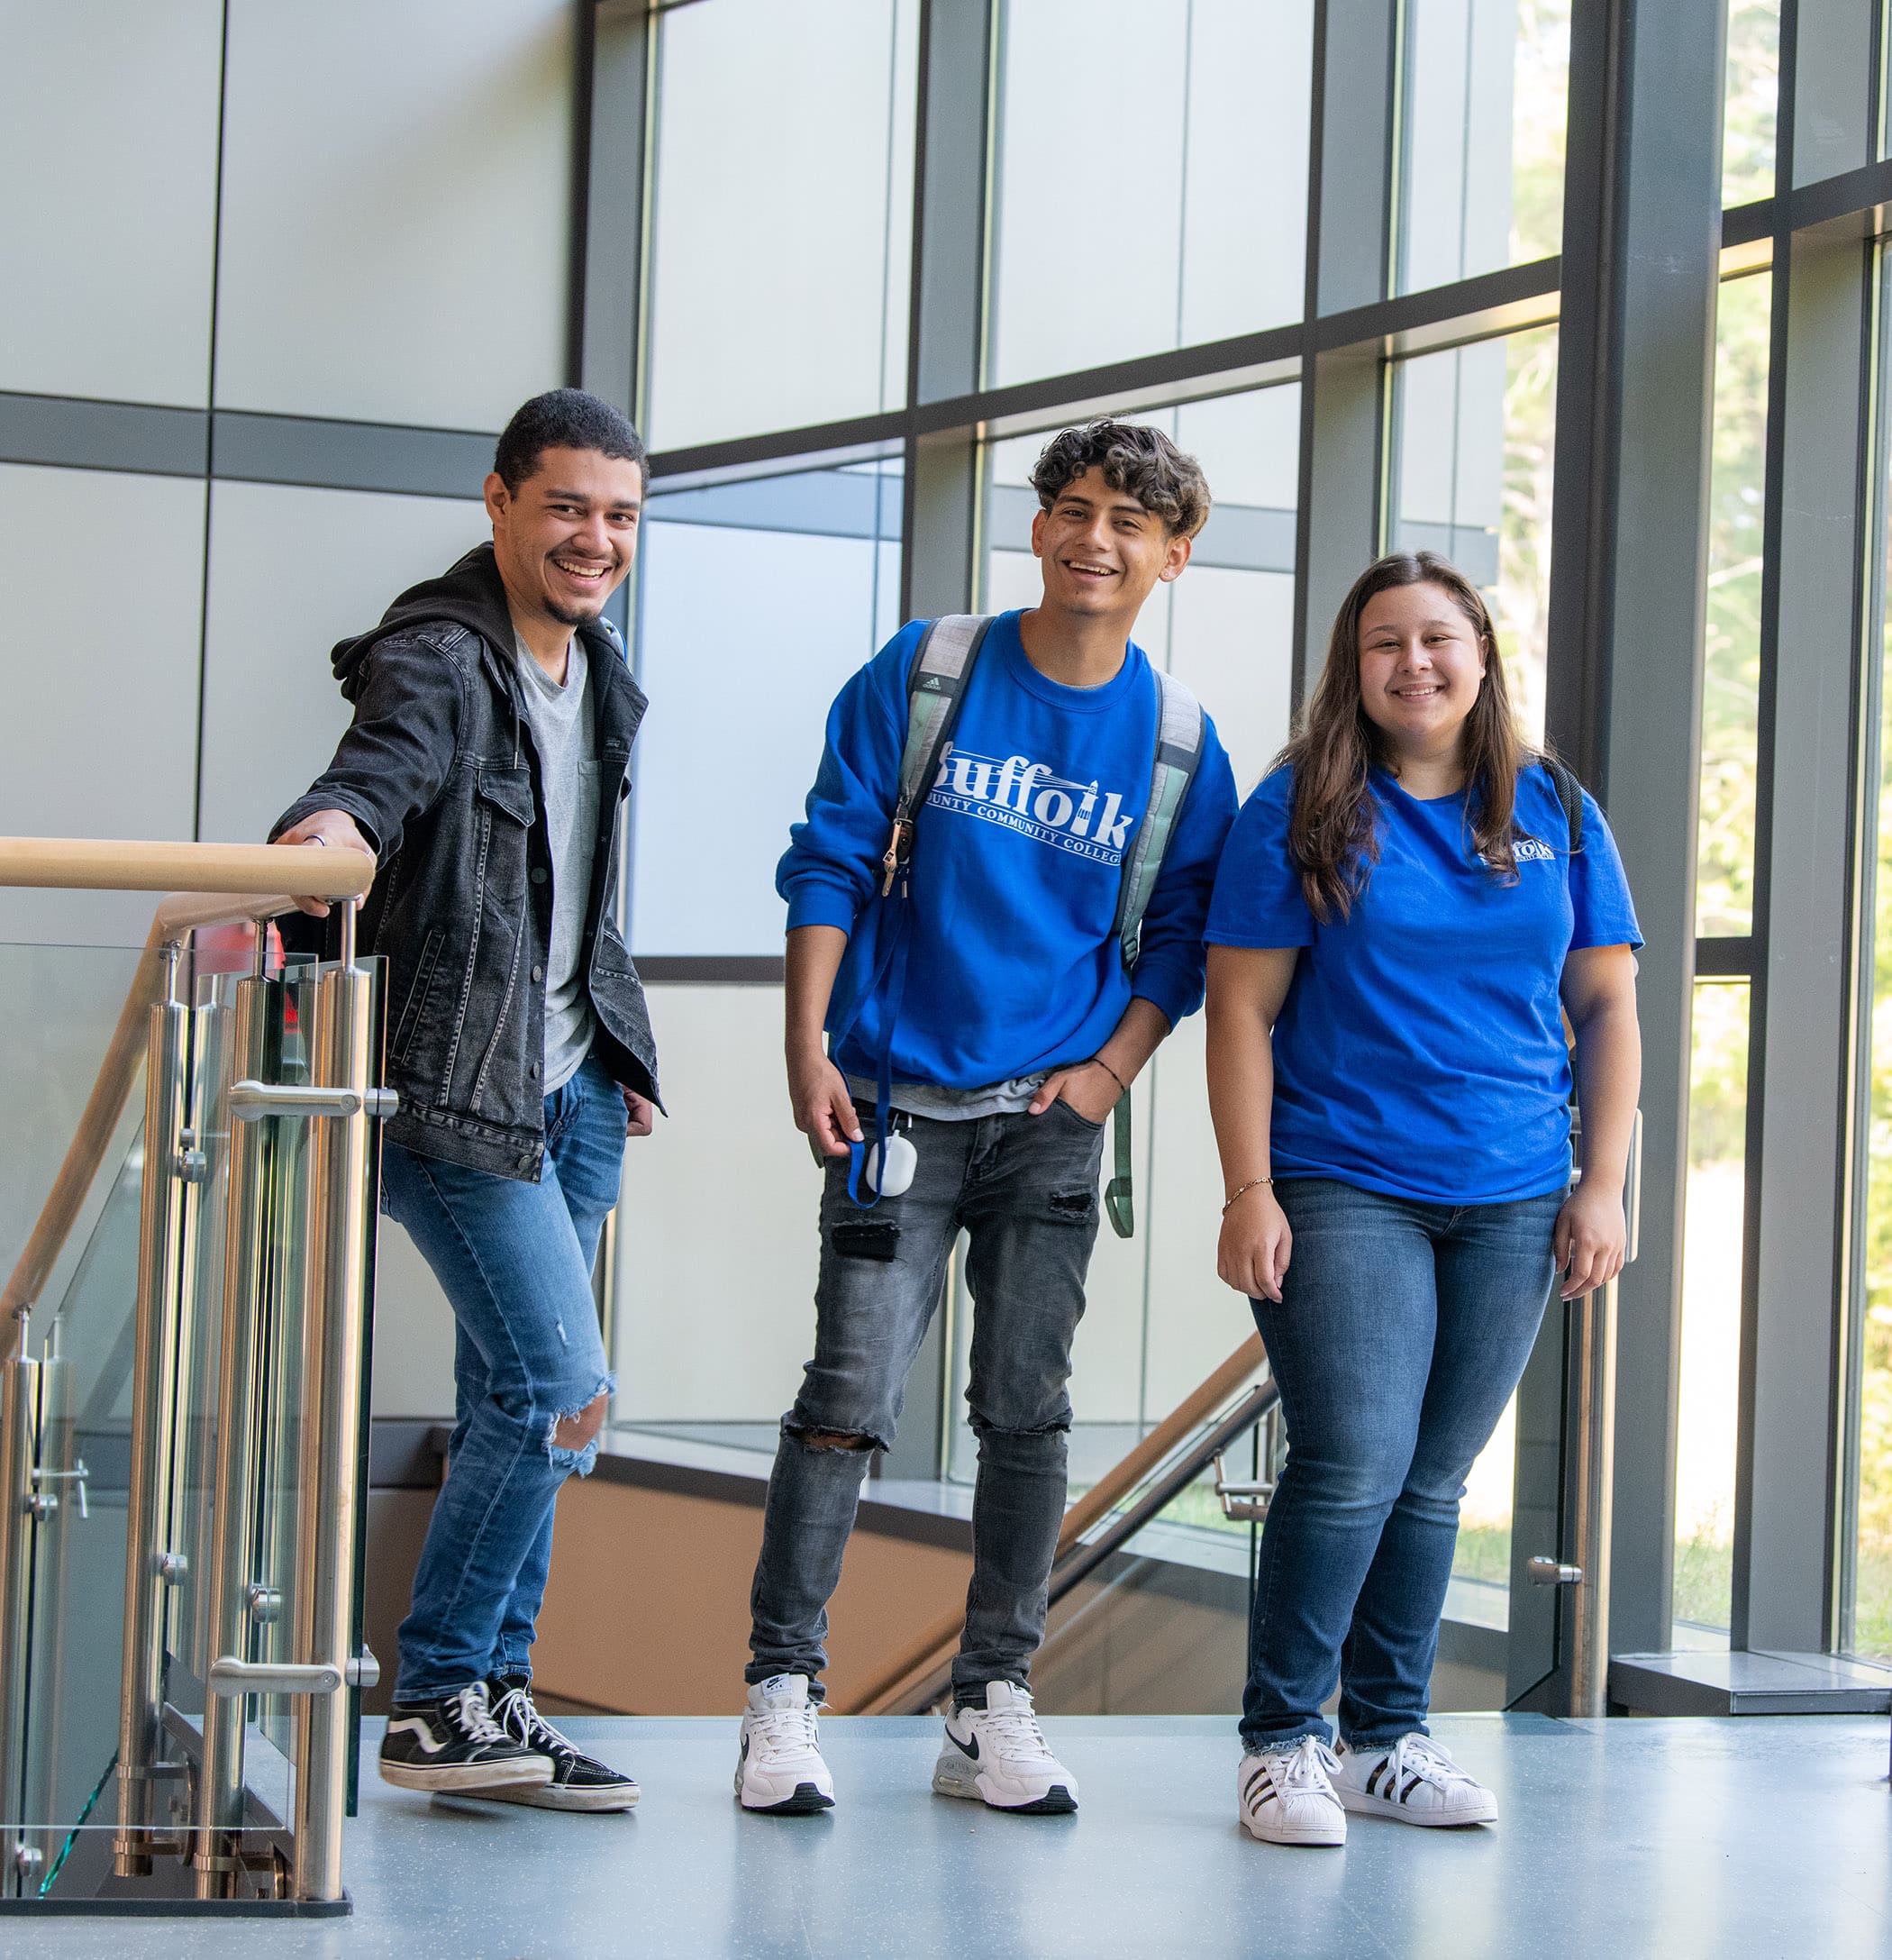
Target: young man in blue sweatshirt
[[1010, 1027]]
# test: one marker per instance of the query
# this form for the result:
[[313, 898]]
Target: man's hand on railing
[[337, 830]]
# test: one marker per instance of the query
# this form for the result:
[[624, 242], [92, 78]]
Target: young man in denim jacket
[[494, 717]]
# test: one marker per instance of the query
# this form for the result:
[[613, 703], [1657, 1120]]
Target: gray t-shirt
[[1008, 1099], [565, 733]]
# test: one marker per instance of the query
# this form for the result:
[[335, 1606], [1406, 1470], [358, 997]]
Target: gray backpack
[[935, 688]]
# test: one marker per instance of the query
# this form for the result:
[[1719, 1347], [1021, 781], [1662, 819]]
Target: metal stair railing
[[1135, 1488], [233, 883]]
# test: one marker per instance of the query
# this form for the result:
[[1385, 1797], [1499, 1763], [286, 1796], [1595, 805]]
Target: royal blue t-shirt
[[1420, 1051], [1012, 965]]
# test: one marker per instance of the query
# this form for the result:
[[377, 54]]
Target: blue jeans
[[1024, 1189], [1403, 1329], [515, 1261]]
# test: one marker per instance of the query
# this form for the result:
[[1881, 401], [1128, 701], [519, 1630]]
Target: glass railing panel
[[81, 1464], [70, 1274]]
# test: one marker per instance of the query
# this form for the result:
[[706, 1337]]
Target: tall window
[[756, 601], [1483, 95], [781, 241], [1731, 679], [1752, 100], [1474, 454], [1152, 173]]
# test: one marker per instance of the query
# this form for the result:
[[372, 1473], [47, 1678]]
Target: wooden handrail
[[935, 1647], [288, 871], [304, 871]]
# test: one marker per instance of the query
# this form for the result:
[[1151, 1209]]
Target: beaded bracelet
[[1241, 1190]]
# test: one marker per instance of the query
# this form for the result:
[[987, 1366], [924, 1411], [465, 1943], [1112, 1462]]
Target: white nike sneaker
[[1286, 1795], [997, 1756], [1414, 1781], [778, 1769]]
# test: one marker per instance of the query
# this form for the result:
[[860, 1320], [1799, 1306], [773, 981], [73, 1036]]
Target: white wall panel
[[414, 1332], [108, 150], [292, 570], [396, 208], [99, 634], [717, 1236]]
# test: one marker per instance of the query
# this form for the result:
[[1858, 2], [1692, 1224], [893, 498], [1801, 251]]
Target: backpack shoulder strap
[[934, 689], [1178, 749], [1569, 793]]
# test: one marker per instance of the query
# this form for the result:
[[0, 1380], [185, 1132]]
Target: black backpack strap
[[1569, 793]]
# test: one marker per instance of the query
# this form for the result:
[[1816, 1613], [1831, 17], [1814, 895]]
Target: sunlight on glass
[[1708, 1408], [1731, 679], [1753, 94], [1483, 100], [1871, 1578], [1473, 467]]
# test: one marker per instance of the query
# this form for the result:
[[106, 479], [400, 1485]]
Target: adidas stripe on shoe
[[1286, 1797], [1415, 1781]]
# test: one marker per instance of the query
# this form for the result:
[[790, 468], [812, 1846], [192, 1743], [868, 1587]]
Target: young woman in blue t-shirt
[[1398, 927]]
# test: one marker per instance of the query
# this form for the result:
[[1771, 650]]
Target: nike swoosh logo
[[964, 1748]]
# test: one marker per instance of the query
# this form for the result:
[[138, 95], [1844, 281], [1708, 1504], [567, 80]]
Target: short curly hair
[[565, 418], [1134, 457]]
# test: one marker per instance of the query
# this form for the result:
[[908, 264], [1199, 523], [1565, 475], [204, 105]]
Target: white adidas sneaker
[[997, 1756], [1286, 1796], [1415, 1781], [778, 1766]]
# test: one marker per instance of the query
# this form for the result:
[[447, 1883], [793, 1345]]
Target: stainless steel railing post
[[342, 1215], [220, 1789], [152, 1566], [19, 1406], [1594, 1490]]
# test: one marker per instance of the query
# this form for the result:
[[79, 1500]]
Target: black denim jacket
[[439, 771]]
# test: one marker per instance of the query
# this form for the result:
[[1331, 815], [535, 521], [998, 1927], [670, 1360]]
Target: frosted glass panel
[[1203, 225], [784, 208], [758, 600], [108, 149], [292, 571], [100, 734], [396, 208]]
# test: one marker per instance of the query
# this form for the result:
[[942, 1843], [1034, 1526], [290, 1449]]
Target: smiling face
[[566, 538], [1421, 663], [1101, 553]]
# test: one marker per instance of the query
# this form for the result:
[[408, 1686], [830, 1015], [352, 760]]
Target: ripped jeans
[[514, 1260], [1024, 1189]]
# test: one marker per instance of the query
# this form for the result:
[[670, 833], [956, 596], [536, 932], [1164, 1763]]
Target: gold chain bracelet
[[1241, 1190]]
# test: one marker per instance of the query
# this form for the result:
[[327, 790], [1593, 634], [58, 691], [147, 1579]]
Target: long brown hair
[[1332, 833]]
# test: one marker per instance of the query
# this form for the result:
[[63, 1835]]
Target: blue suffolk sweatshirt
[[1012, 966]]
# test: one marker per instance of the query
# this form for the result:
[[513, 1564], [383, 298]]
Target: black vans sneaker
[[454, 1744], [578, 1782]]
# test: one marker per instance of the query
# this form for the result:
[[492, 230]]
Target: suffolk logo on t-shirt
[[1028, 798]]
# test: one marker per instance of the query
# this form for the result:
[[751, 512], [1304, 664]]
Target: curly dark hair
[[1134, 457], [565, 418]]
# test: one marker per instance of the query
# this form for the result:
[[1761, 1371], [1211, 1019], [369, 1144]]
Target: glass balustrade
[[178, 1636]]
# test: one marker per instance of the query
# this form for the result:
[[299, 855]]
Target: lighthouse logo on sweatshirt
[[1029, 798]]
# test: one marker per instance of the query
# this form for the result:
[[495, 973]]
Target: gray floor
[[1755, 1838]]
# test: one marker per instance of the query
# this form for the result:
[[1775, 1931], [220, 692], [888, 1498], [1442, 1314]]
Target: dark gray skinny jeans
[[1024, 1189]]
